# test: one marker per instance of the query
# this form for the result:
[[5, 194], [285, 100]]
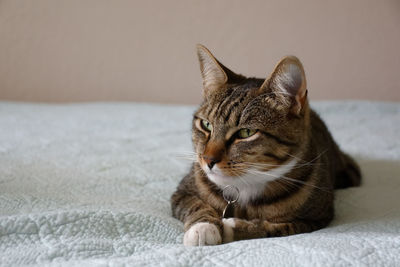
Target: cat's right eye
[[245, 133], [206, 125]]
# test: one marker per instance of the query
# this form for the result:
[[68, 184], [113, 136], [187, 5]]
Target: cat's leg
[[238, 229], [202, 224]]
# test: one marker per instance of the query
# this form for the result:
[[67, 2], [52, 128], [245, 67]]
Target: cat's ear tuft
[[288, 83], [212, 72]]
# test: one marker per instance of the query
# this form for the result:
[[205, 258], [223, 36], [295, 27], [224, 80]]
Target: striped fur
[[287, 171]]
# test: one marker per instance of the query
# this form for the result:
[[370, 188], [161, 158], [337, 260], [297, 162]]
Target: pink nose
[[211, 161]]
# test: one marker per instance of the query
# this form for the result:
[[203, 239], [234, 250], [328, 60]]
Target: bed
[[89, 184]]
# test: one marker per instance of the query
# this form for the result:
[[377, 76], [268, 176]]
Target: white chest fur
[[252, 184]]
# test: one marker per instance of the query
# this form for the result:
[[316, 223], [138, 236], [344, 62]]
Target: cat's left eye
[[245, 133], [206, 125]]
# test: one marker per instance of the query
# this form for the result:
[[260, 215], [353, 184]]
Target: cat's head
[[247, 125]]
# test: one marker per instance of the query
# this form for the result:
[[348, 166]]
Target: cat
[[261, 136]]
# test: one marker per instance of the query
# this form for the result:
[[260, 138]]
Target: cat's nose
[[211, 161]]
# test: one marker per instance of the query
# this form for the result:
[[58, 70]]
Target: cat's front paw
[[229, 224], [202, 234]]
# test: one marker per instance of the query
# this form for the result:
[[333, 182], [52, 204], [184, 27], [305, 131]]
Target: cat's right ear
[[214, 74]]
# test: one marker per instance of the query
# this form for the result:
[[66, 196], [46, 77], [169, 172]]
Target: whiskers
[[301, 162], [238, 169], [237, 172], [288, 181], [261, 169], [308, 163], [187, 155]]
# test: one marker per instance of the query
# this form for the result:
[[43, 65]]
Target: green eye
[[206, 125], [245, 133]]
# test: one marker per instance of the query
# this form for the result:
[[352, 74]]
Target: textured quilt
[[89, 184]]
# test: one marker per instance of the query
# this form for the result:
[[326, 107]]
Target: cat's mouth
[[218, 177], [250, 177]]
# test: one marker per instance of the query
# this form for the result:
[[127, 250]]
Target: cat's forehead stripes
[[227, 109], [228, 101], [241, 94], [234, 108]]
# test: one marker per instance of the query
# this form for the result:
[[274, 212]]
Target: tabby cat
[[262, 137]]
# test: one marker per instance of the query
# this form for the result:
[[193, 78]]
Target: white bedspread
[[89, 184]]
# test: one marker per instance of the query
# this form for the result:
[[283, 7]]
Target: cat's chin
[[216, 176], [220, 180]]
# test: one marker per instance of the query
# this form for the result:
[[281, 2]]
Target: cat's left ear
[[288, 83]]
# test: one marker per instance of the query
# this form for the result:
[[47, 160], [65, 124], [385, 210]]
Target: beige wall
[[75, 50]]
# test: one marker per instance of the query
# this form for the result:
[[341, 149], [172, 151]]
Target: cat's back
[[342, 169]]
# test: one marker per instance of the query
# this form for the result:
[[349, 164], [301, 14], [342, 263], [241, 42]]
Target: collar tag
[[231, 195]]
